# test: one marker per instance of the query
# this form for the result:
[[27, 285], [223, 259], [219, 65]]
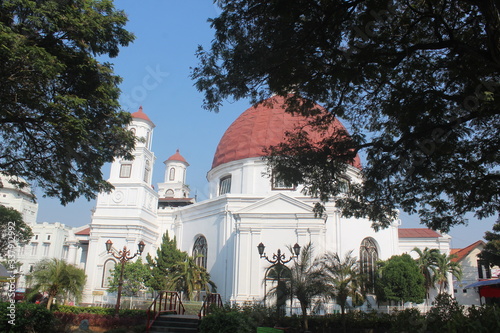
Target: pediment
[[278, 204]]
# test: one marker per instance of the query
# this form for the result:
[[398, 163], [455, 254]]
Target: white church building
[[245, 208]]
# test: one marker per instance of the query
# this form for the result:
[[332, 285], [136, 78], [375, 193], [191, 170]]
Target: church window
[[280, 184], [171, 174], [125, 170], [225, 185], [368, 255], [65, 252], [200, 251], [344, 185], [46, 249], [132, 130], [148, 138], [107, 272], [169, 193], [34, 247], [147, 171]]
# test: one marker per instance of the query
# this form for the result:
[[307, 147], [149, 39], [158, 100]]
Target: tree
[[491, 251], [135, 275], [55, 277], [306, 282], [400, 280], [427, 264], [59, 112], [344, 279], [167, 256], [416, 80], [13, 231], [186, 276], [444, 267]]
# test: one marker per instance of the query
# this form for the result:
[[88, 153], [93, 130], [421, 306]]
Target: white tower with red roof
[[128, 214]]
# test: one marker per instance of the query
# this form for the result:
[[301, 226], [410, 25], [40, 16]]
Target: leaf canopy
[[418, 82], [60, 119]]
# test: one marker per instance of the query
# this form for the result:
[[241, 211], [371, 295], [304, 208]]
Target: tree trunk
[[304, 316], [49, 301]]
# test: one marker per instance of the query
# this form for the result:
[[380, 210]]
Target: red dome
[[139, 114], [261, 126], [177, 157]]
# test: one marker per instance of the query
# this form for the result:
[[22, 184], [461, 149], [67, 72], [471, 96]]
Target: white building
[[245, 208], [50, 240]]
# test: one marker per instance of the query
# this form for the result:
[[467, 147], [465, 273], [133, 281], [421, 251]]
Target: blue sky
[[155, 71]]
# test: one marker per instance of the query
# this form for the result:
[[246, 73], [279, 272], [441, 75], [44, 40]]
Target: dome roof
[[177, 157], [139, 114], [261, 126]]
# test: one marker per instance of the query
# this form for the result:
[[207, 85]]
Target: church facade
[[246, 207]]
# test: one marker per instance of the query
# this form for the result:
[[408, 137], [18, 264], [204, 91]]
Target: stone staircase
[[173, 323]]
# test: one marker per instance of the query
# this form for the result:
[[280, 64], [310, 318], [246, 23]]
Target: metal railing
[[165, 301], [211, 301]]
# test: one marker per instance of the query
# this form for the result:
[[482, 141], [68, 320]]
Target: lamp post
[[123, 256], [278, 259]]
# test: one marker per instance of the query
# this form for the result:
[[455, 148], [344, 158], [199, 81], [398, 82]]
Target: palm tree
[[344, 279], [57, 276], [188, 277], [445, 266], [306, 282], [427, 263], [303, 280]]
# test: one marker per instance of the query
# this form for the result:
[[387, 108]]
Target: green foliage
[[408, 321], [400, 280], [188, 277], [56, 277], [491, 251], [98, 310], [446, 315], [13, 231], [444, 266], [29, 317], [135, 275], [236, 318], [427, 264], [344, 279], [418, 81], [167, 256], [59, 112]]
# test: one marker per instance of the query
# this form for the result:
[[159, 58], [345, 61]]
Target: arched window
[[171, 174], [225, 185], [368, 256], [200, 251], [169, 193], [107, 272], [147, 171]]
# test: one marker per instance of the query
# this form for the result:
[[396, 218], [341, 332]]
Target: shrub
[[28, 318]]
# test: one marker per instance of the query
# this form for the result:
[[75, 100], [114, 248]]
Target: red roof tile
[[139, 114], [460, 254], [83, 232], [177, 157], [264, 125], [417, 233]]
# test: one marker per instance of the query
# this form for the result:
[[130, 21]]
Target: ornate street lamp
[[123, 256], [278, 259]]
